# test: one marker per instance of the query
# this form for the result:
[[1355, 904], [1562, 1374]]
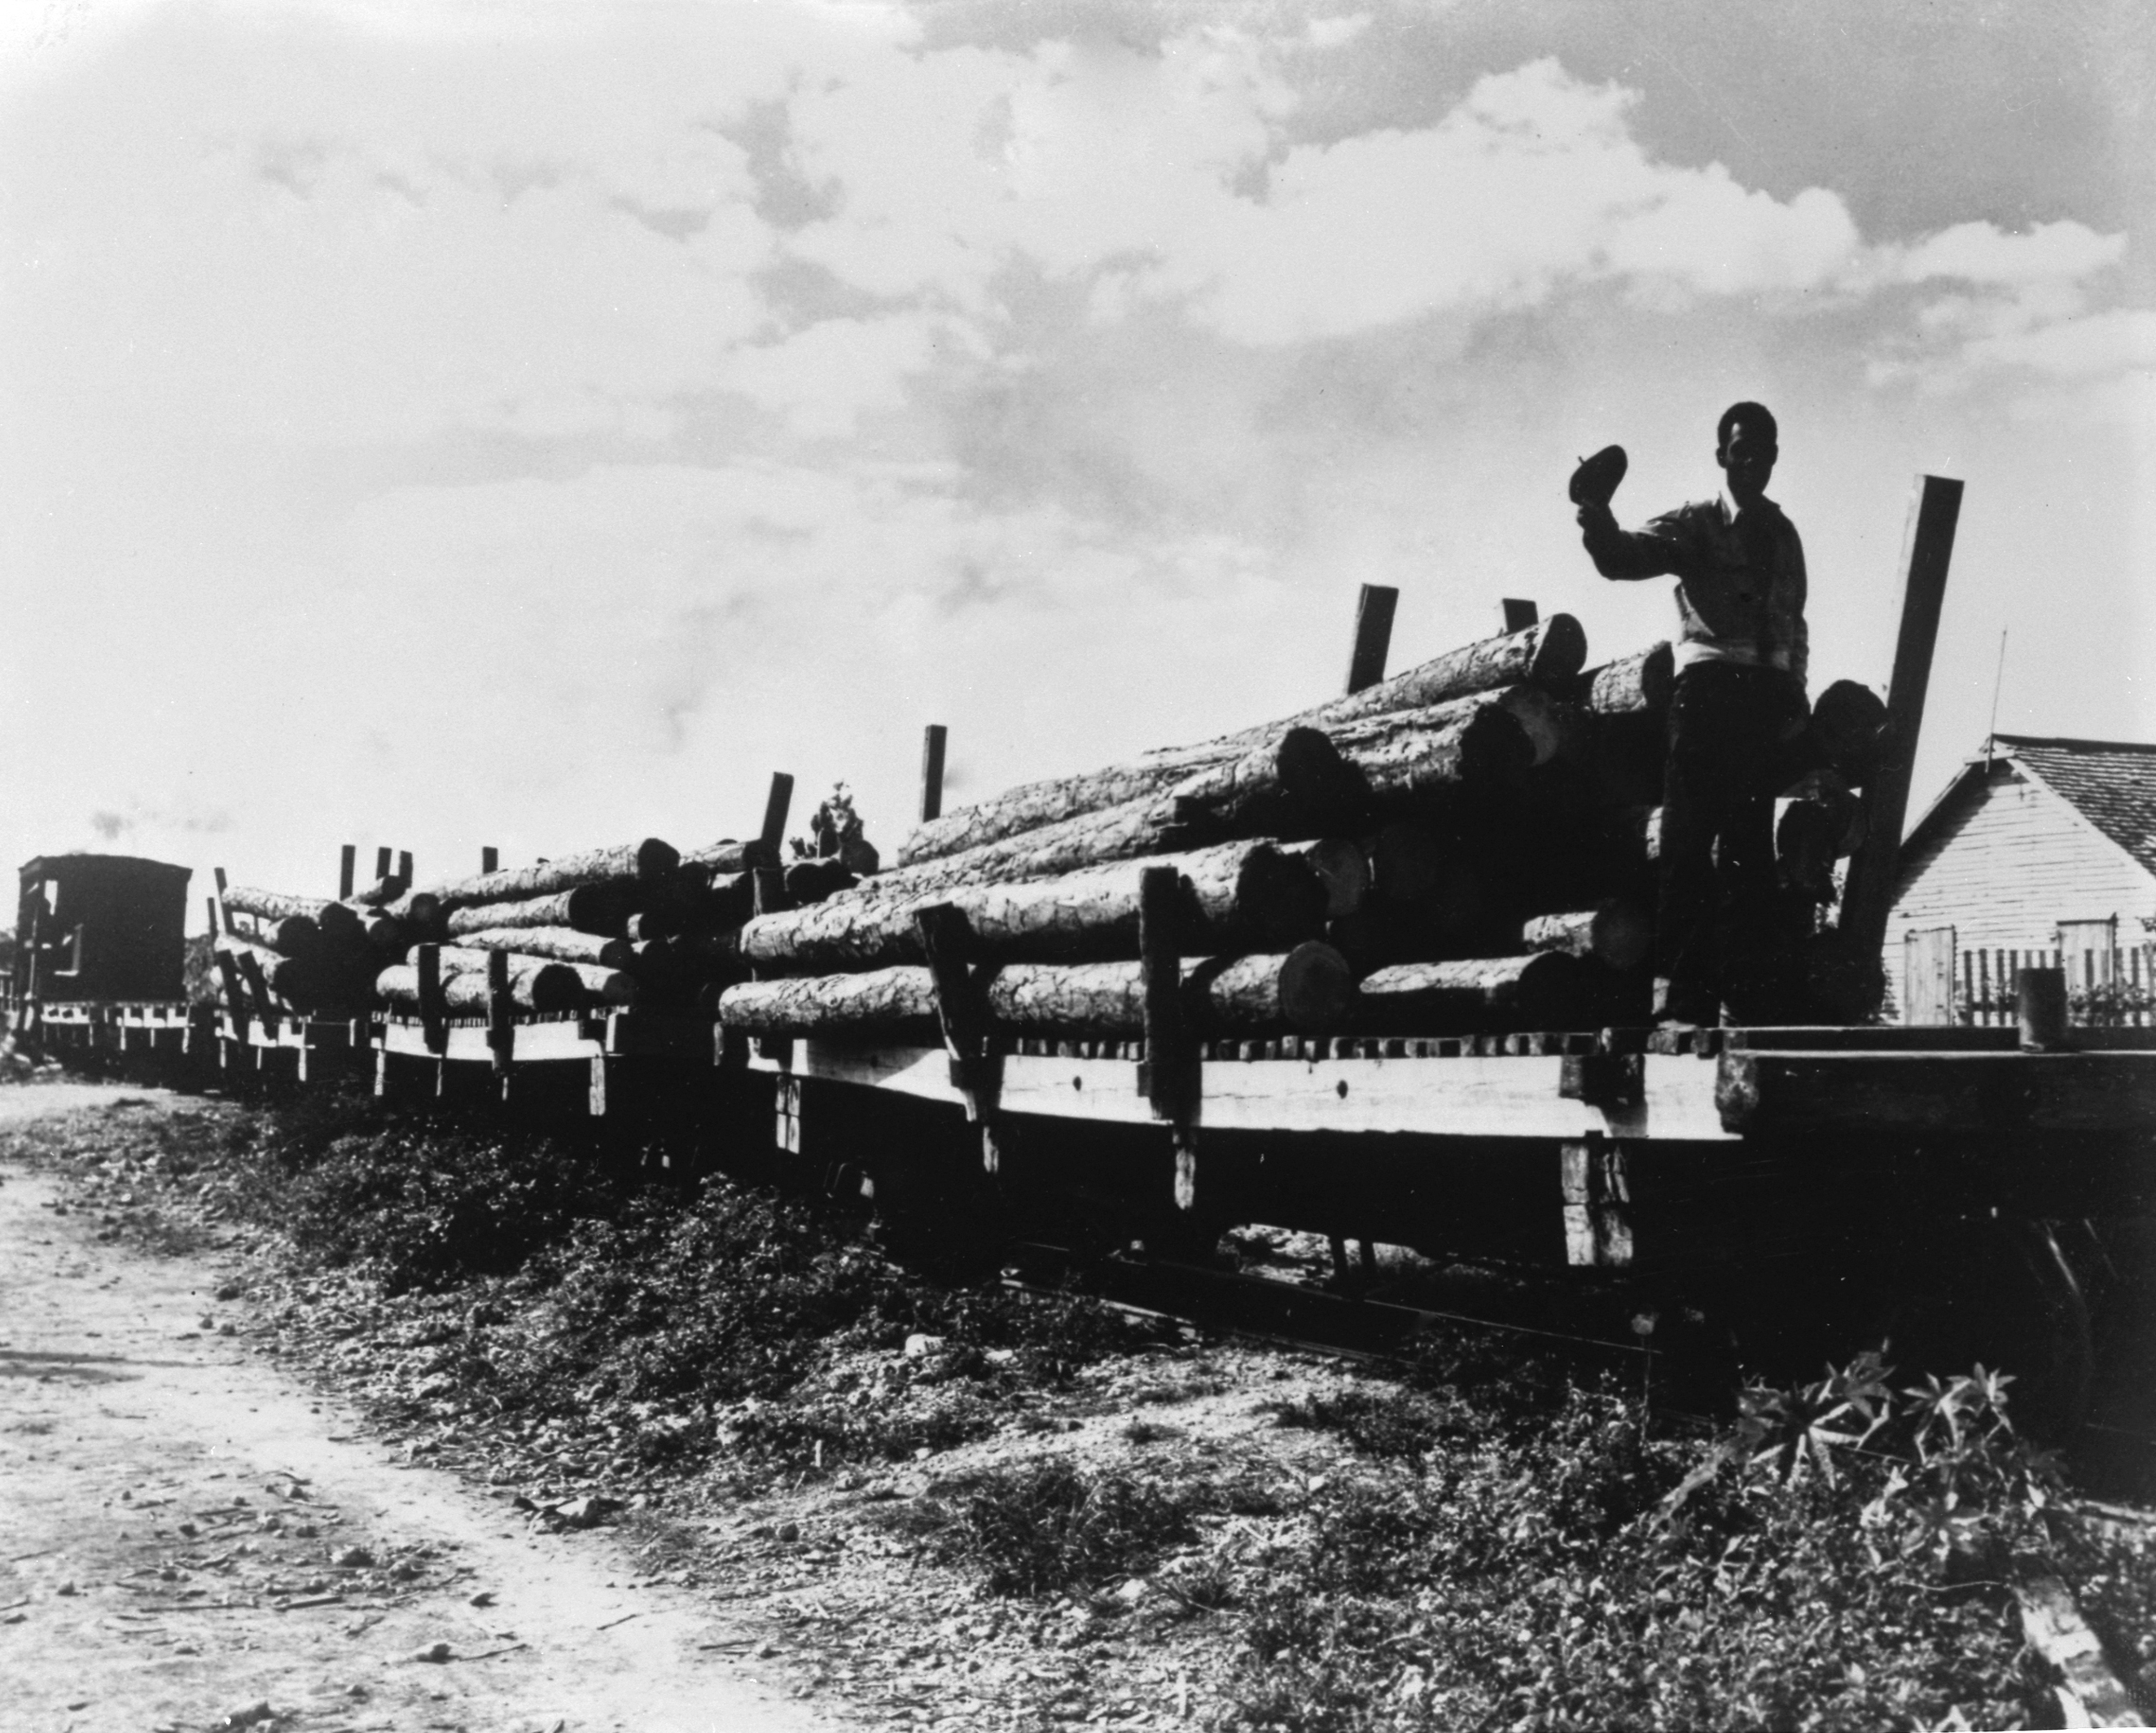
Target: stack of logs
[[1467, 846], [639, 924]]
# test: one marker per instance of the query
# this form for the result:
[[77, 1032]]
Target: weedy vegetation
[[1492, 1540]]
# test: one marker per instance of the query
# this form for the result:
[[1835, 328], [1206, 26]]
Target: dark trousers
[[1718, 900]]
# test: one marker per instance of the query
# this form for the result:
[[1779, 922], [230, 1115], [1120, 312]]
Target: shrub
[[1050, 1525]]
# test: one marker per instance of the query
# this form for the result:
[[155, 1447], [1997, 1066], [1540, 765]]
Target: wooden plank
[[775, 807], [1926, 550], [1374, 634], [1991, 1093], [932, 772], [500, 1010], [1170, 1073]]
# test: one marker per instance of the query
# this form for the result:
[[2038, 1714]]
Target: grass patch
[[1051, 1526]]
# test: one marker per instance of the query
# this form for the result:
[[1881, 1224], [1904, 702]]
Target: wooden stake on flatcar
[[775, 807], [932, 772], [1519, 613], [1374, 634], [500, 1009], [1926, 550], [434, 1014], [946, 941], [224, 915], [1170, 1074], [381, 864], [490, 859], [347, 865], [404, 866], [258, 987]]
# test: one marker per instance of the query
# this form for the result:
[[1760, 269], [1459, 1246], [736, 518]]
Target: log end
[[1316, 987], [1560, 650], [1282, 898]]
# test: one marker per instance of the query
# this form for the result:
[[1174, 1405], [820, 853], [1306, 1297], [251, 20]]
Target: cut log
[[650, 925], [541, 987], [1849, 725], [1288, 763], [1121, 833], [1618, 934], [292, 935], [560, 944], [597, 909], [897, 1004], [1546, 654], [1308, 990], [1476, 741], [730, 899], [1545, 989], [1636, 685], [644, 862], [298, 981], [385, 890], [728, 856], [1240, 894], [539, 983], [338, 924], [1343, 867], [810, 881]]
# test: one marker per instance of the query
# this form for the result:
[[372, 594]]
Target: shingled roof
[[2111, 782]]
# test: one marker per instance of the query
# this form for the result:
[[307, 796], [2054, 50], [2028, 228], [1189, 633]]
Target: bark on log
[[339, 924], [596, 909], [1633, 686], [536, 990], [380, 894], [1308, 990], [560, 944], [898, 1003], [1545, 655], [1233, 797], [1286, 763], [1476, 741], [539, 984], [1092, 839], [1237, 896], [1544, 990], [1618, 934], [728, 856], [640, 863]]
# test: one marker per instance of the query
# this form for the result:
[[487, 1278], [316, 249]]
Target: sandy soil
[[188, 1534]]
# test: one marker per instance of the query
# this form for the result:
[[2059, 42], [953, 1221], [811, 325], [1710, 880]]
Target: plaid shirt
[[1740, 579]]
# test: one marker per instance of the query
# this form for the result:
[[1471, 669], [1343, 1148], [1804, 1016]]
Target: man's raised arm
[[1622, 553]]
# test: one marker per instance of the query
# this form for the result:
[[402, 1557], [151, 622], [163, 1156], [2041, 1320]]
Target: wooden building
[[100, 927], [2039, 853]]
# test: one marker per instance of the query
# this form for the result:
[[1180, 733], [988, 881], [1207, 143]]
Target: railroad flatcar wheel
[[1998, 1290]]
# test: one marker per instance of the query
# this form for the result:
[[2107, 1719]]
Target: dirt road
[[187, 1535]]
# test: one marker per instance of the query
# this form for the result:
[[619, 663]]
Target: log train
[[1376, 971]]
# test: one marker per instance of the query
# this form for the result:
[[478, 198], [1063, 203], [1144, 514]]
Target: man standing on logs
[[1741, 657]]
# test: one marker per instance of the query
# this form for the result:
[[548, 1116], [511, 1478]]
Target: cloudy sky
[[453, 423]]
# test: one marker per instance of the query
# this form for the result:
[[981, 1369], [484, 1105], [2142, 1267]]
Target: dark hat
[[1595, 482]]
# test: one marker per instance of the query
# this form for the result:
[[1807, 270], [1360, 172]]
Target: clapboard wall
[[2004, 862]]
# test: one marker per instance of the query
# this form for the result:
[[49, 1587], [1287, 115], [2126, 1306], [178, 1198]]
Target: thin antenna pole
[[1997, 680]]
